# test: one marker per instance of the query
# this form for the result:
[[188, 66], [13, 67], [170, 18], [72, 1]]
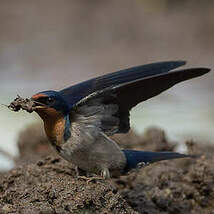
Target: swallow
[[78, 120]]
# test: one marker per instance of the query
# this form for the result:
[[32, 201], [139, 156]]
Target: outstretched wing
[[108, 109], [77, 92]]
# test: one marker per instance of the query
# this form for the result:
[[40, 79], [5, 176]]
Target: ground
[[44, 183]]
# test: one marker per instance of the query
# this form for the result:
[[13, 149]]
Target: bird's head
[[49, 103]]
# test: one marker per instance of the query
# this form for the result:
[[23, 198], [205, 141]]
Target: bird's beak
[[37, 105]]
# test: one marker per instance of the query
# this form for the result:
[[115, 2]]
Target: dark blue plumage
[[76, 92], [55, 100], [136, 158]]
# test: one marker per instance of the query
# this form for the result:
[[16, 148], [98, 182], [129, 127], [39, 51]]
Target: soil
[[44, 183]]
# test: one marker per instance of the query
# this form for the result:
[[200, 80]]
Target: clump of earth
[[42, 182]]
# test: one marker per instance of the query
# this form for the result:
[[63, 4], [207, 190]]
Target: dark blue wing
[[112, 104], [77, 92]]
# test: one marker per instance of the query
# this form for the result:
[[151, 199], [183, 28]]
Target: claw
[[90, 179], [86, 176]]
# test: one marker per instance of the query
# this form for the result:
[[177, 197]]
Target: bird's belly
[[80, 158], [94, 157]]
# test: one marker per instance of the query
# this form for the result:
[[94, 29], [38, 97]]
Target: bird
[[80, 119]]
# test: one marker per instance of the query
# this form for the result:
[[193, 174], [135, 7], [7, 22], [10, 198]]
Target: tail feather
[[135, 158]]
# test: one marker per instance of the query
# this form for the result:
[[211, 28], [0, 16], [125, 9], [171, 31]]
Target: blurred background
[[53, 44]]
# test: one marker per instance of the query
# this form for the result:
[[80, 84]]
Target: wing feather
[[77, 92], [109, 108]]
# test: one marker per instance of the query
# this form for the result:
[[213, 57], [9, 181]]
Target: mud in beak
[[26, 104]]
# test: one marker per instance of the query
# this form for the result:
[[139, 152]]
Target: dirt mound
[[50, 186], [173, 187]]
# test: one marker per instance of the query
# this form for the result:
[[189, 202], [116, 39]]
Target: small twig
[[4, 105], [7, 154]]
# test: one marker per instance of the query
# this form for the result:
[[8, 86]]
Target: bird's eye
[[49, 100], [46, 100]]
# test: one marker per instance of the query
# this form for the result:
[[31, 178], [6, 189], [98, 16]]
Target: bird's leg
[[105, 174], [79, 172]]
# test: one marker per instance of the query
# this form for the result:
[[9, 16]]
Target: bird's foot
[[90, 179], [83, 175]]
